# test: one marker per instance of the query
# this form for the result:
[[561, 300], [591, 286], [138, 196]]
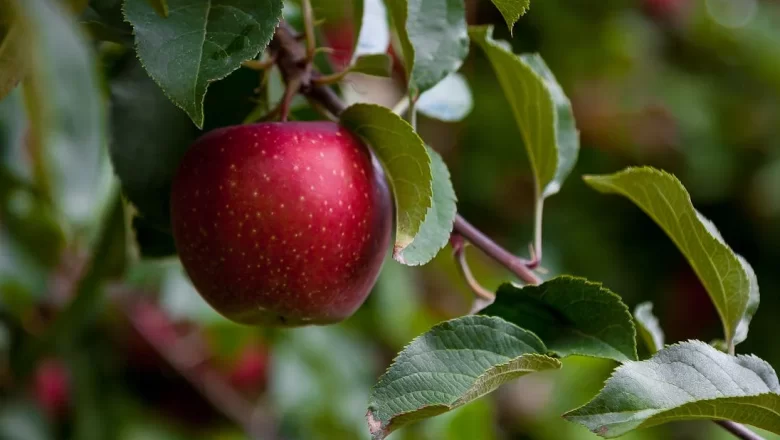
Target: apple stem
[[287, 49]]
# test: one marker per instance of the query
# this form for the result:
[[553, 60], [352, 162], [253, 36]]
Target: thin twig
[[188, 356], [308, 25], [484, 297], [286, 46], [739, 431]]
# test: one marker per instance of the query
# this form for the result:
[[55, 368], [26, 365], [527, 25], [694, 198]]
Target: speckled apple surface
[[281, 224]]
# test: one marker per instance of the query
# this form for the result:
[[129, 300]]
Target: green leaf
[[149, 136], [450, 100], [454, 363], [13, 50], [420, 22], [572, 316], [648, 327], [728, 278], [160, 7], [512, 10], [65, 109], [406, 162], [687, 381], [436, 229], [541, 109], [377, 65], [200, 41]]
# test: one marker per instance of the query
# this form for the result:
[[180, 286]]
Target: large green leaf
[[687, 381], [200, 41], [149, 135], [648, 327], [406, 162], [511, 10], [728, 278], [572, 316], [436, 229], [434, 38], [452, 364], [66, 113], [541, 109]]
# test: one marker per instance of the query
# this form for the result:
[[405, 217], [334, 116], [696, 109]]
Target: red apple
[[281, 223], [52, 387], [250, 371]]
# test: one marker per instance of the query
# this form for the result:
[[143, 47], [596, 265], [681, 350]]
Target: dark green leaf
[[200, 41], [149, 135], [376, 65], [406, 162], [420, 22], [687, 381], [512, 10], [67, 114], [452, 364], [541, 109], [648, 327], [572, 316], [450, 100], [728, 278], [436, 229]]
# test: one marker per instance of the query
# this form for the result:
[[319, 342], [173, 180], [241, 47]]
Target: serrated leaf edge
[[201, 117], [375, 424]]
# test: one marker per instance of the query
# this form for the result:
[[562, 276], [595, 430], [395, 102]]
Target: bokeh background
[[690, 86]]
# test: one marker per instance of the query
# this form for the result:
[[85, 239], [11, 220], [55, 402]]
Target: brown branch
[[188, 355], [290, 52]]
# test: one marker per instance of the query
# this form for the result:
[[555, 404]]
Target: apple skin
[[52, 387], [283, 223]]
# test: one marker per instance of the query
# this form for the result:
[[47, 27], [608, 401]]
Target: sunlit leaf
[[541, 109], [728, 278], [436, 229], [420, 22], [687, 381], [451, 365], [406, 162]]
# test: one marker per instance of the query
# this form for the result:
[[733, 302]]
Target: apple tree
[[267, 154]]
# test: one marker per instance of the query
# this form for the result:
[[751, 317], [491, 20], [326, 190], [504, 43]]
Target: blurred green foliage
[[690, 86]]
